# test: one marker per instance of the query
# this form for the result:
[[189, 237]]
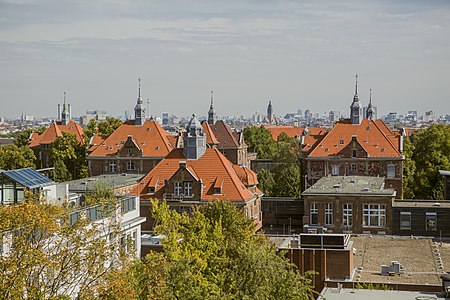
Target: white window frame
[[405, 220], [347, 214], [314, 210], [112, 167], [335, 170], [328, 214], [177, 188], [188, 189], [377, 211]]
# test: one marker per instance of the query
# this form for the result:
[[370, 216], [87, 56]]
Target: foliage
[[60, 173], [23, 138], [266, 182], [288, 181], [104, 128], [66, 150], [259, 140], [100, 192], [431, 153], [13, 157], [409, 168], [372, 286], [47, 258], [212, 254]]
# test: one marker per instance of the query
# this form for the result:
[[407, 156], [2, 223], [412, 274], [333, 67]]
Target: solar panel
[[28, 177]]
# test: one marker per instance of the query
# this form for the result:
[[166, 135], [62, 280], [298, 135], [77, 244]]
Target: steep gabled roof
[[224, 135], [54, 131], [373, 135], [209, 167], [210, 136], [151, 138]]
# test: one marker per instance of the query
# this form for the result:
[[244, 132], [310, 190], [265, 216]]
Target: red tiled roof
[[96, 140], [150, 137], [210, 136], [373, 135], [210, 167], [54, 131], [247, 176], [224, 135]]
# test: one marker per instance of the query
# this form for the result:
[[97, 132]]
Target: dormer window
[[177, 188], [188, 189], [130, 152], [151, 190], [341, 142], [353, 153], [217, 191]]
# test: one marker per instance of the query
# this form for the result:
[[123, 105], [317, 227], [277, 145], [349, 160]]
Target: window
[[431, 221], [218, 191], [135, 239], [128, 204], [188, 189], [177, 188], [346, 171], [130, 165], [390, 171], [130, 152], [74, 217], [374, 215], [405, 220], [347, 215], [112, 166], [341, 142], [353, 153], [328, 213], [335, 170], [314, 213], [93, 214], [354, 167], [151, 189]]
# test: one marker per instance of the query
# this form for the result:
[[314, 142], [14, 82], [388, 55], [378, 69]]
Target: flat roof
[[116, 180], [360, 185], [421, 203], [356, 294]]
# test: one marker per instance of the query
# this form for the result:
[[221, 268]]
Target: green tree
[[23, 138], [266, 182], [259, 140], [212, 254], [13, 157], [287, 181], [66, 150], [108, 126], [409, 169], [49, 258], [431, 154]]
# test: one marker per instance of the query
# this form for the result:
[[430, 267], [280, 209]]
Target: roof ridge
[[388, 140], [159, 129], [224, 163]]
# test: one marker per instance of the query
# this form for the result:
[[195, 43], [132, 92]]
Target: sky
[[298, 54]]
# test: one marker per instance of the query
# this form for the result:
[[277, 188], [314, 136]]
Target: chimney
[[182, 164]]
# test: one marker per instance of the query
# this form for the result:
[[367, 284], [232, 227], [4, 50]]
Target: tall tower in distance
[[211, 113], [269, 112], [65, 113], [356, 107], [139, 109]]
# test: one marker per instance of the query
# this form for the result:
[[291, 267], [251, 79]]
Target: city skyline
[[296, 54]]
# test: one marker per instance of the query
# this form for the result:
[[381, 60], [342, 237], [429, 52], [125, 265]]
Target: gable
[[130, 149]]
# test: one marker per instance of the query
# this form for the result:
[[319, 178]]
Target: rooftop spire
[[212, 97], [356, 85], [139, 80], [211, 112]]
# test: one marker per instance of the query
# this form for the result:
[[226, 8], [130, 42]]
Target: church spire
[[139, 109], [211, 112], [356, 107], [64, 114], [269, 112], [370, 110]]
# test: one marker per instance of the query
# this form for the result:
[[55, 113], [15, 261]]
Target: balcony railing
[[177, 197]]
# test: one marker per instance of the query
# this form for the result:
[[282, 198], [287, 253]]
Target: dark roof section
[[29, 178]]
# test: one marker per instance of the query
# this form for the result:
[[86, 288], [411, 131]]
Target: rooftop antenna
[[356, 85]]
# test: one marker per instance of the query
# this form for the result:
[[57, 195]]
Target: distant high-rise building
[[165, 118], [269, 112]]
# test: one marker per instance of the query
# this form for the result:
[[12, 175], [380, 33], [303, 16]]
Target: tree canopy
[[46, 257], [212, 254], [13, 157], [103, 128], [260, 141], [69, 158], [429, 152]]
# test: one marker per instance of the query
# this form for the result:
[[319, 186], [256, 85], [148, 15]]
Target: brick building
[[131, 149], [196, 174], [358, 147], [349, 204], [40, 142]]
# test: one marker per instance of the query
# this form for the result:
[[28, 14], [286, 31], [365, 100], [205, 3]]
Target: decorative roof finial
[[370, 96], [139, 79], [64, 99], [356, 85], [212, 97]]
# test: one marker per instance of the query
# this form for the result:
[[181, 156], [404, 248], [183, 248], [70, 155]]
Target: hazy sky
[[299, 54]]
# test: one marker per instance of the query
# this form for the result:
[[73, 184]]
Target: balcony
[[178, 197]]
